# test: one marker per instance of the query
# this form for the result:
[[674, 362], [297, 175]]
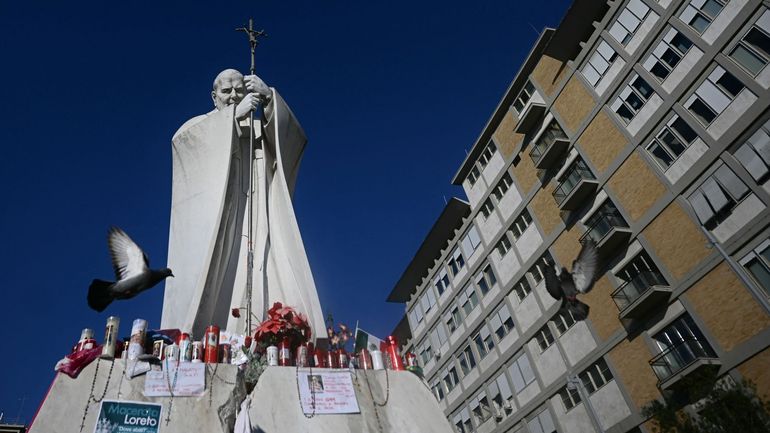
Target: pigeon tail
[[578, 309], [99, 296]]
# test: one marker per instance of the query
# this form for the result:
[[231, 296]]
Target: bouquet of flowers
[[337, 339], [282, 322]]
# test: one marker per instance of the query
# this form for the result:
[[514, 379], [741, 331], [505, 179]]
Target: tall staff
[[253, 42]]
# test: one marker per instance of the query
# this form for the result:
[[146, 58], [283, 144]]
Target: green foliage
[[254, 368], [725, 409]]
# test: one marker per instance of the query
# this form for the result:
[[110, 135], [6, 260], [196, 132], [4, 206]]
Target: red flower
[[236, 312]]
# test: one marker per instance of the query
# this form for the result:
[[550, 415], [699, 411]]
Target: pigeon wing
[[585, 267], [552, 283], [128, 259]]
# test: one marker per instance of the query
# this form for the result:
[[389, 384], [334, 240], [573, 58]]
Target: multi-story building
[[644, 126]]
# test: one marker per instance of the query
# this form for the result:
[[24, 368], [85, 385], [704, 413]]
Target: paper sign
[[327, 392], [189, 381], [128, 417]]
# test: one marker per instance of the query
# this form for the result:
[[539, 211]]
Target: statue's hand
[[255, 84], [250, 102]]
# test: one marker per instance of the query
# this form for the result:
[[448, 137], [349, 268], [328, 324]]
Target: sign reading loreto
[[128, 417]]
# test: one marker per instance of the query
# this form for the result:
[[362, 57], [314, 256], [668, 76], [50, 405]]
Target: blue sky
[[391, 95]]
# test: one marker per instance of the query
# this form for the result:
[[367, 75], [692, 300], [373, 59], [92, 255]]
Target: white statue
[[208, 246]]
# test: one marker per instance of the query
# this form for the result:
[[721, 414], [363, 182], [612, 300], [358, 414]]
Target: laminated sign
[[326, 392], [185, 380], [128, 417]]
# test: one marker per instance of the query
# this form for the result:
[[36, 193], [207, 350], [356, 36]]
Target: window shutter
[[751, 161], [729, 180], [714, 194], [701, 206]]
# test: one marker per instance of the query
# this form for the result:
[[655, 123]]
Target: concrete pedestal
[[410, 407]]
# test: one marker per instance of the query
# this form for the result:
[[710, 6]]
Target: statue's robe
[[208, 246]]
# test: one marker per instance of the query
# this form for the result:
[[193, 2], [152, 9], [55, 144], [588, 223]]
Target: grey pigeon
[[566, 286], [132, 272]]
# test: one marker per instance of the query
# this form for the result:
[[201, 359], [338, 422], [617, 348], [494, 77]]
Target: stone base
[[275, 408]]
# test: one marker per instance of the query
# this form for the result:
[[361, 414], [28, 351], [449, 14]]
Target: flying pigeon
[[132, 272], [566, 286]]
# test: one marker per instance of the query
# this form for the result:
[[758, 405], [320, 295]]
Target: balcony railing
[[530, 115], [649, 286], [577, 182], [547, 150], [682, 358], [603, 224]]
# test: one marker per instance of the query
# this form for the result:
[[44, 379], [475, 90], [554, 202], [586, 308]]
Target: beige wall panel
[[566, 247], [602, 142], [574, 104], [543, 208], [726, 306], [504, 137], [676, 240], [525, 172], [548, 73], [757, 370], [631, 361], [635, 186], [604, 312]]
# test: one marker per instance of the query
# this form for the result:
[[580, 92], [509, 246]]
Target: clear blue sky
[[391, 95]]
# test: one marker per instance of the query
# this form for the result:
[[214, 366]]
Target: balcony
[[530, 116], [684, 359], [642, 293], [574, 186], [546, 152], [608, 231]]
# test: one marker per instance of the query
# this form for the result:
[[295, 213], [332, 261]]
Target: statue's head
[[228, 88]]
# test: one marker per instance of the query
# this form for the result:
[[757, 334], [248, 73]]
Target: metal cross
[[253, 41]]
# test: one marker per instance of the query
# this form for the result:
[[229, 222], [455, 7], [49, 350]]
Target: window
[[667, 54], [521, 373], [638, 276], [520, 224], [628, 21], [481, 163], [680, 344], [487, 208], [632, 98], [542, 423], [468, 299], [427, 300], [753, 49], [599, 63], [500, 391], [754, 154], [438, 390], [716, 198], [415, 316], [471, 241], [714, 95], [455, 263], [462, 421], [544, 337], [595, 376], [672, 140], [486, 279], [563, 320], [438, 335], [450, 378], [550, 135], [425, 352], [522, 289], [480, 408], [502, 186], [467, 360], [570, 397], [537, 271], [483, 341], [442, 279], [758, 264], [503, 245], [524, 96], [700, 13], [453, 318], [501, 322]]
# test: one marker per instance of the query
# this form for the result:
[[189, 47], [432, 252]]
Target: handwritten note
[[189, 381], [327, 392]]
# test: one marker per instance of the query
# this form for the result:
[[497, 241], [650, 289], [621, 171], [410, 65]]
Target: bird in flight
[[566, 286], [132, 272]]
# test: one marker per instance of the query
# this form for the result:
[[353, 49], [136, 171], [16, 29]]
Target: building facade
[[644, 126]]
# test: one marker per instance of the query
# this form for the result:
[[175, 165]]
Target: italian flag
[[365, 340]]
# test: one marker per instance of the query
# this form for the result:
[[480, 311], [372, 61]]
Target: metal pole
[[574, 382]]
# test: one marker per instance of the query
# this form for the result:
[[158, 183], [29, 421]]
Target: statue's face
[[229, 90]]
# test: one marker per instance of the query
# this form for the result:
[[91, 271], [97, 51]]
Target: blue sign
[[128, 417]]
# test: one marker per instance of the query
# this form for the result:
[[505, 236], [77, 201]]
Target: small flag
[[364, 340]]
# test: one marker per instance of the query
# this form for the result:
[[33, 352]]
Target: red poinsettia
[[283, 322]]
